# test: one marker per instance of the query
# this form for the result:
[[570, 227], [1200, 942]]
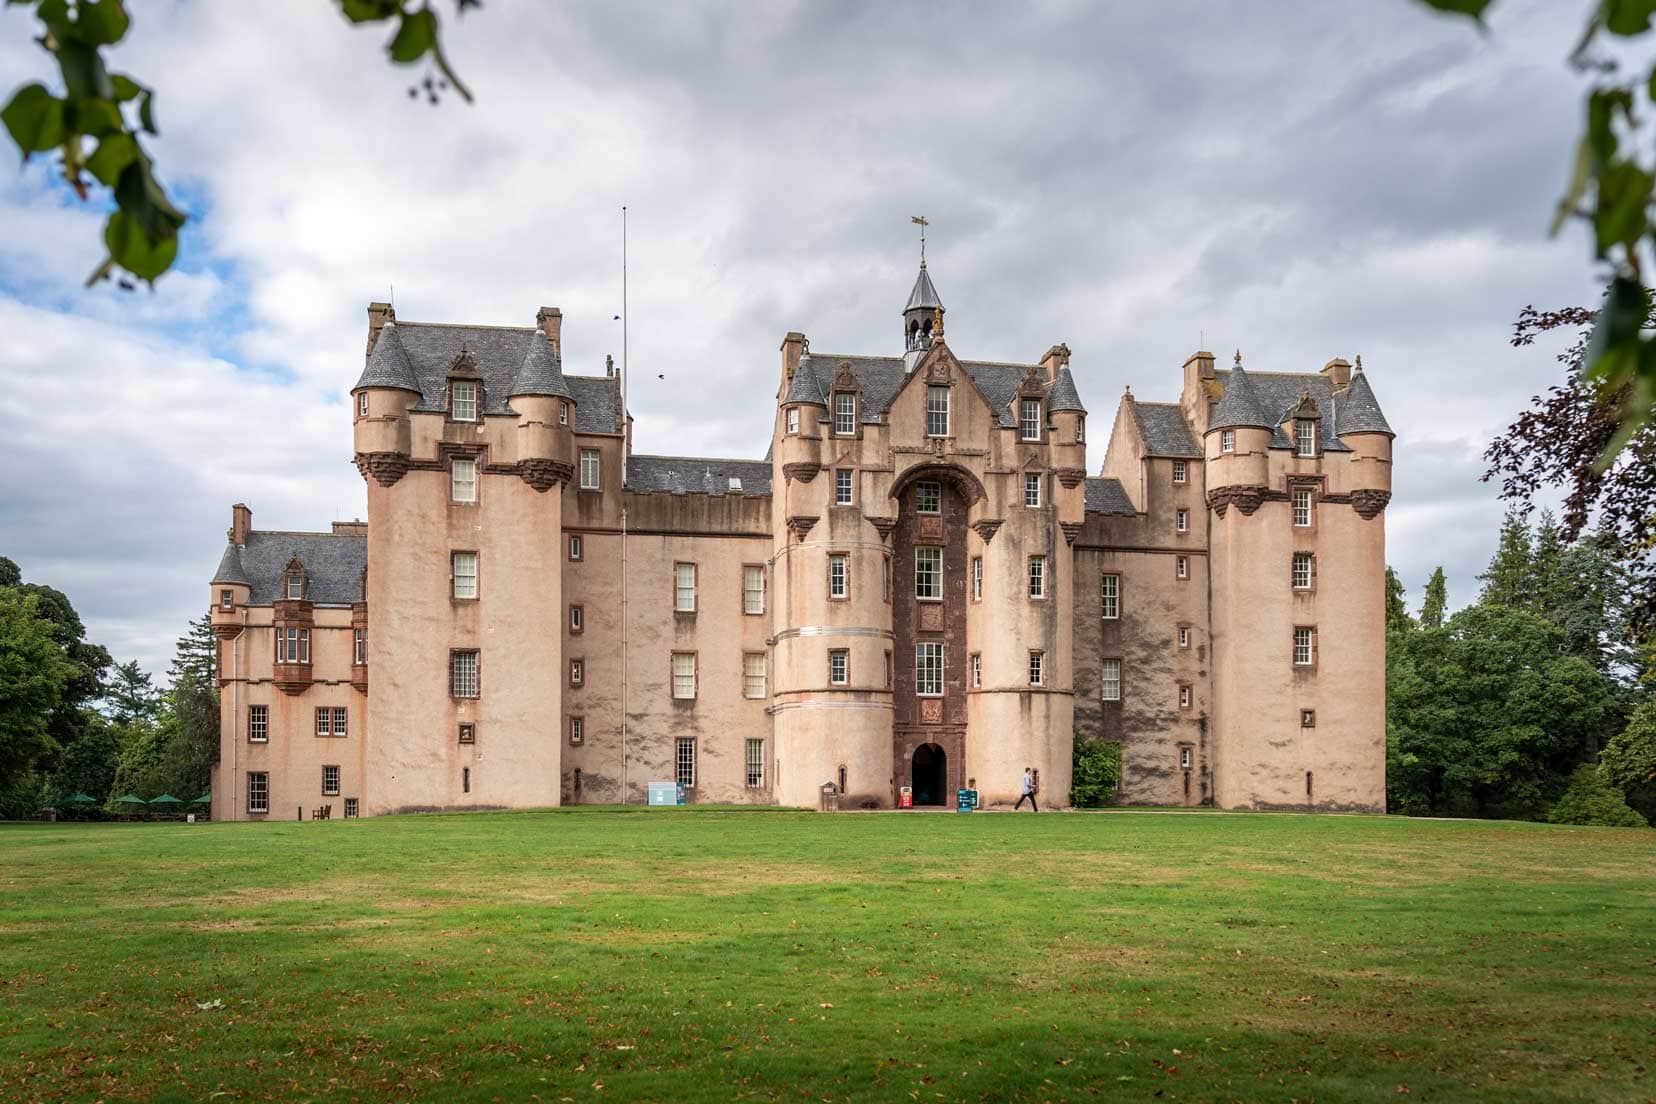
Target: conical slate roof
[[924, 295], [389, 366], [540, 373], [1063, 395], [1239, 406], [230, 568], [1358, 411]]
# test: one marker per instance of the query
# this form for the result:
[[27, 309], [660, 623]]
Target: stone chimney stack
[[793, 347], [241, 523], [378, 315], [1053, 359], [1338, 372], [550, 320]]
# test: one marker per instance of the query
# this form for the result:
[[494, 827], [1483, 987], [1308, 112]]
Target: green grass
[[719, 954]]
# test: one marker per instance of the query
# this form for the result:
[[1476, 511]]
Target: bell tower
[[924, 311]]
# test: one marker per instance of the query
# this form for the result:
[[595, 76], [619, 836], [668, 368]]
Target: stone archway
[[929, 775], [970, 488]]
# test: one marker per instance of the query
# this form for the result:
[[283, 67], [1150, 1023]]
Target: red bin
[[905, 798]]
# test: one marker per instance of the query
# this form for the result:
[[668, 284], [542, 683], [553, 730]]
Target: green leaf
[[416, 36], [93, 116], [35, 119], [1620, 217], [1613, 350], [1628, 17], [369, 11], [140, 195], [1471, 8], [125, 87], [84, 75], [113, 155], [133, 250], [146, 112], [100, 22]]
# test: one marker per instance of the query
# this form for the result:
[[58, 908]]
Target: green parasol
[[204, 799], [130, 799], [79, 798], [165, 799]]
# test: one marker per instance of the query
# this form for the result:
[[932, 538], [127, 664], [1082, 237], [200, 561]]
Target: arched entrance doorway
[[929, 775]]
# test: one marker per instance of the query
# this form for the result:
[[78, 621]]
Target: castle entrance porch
[[929, 775]]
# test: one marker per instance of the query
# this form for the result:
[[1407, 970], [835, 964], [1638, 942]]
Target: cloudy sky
[[1297, 181]]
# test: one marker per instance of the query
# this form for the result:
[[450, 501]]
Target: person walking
[[1028, 791]]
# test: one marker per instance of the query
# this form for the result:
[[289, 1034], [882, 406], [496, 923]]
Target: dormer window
[[1305, 436], [293, 586], [1029, 419], [463, 400], [845, 414]]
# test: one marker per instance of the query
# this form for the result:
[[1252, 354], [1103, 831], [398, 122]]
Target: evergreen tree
[[1437, 596], [1628, 761], [1509, 580], [130, 694], [1591, 799], [196, 654], [1397, 611]]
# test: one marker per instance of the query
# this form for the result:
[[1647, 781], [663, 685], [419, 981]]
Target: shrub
[[1097, 769], [1591, 799]]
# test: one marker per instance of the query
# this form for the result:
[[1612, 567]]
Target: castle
[[919, 585]]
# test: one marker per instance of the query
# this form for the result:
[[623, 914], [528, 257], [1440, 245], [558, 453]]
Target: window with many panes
[[1109, 596], [753, 588], [977, 578], [292, 645], [1181, 567], [227, 600], [1302, 570], [577, 731], [463, 571], [463, 394], [839, 666], [753, 675], [1037, 668], [845, 413], [928, 572], [1305, 436], [590, 469], [362, 405], [351, 808], [1110, 682], [295, 585], [976, 664], [1181, 521], [330, 781], [755, 760], [1037, 576], [463, 479], [842, 486], [1180, 472], [1184, 636], [684, 761], [928, 497], [937, 411], [332, 720], [1184, 697], [258, 792], [463, 681], [1029, 419], [1302, 506], [684, 675], [684, 588], [577, 672], [837, 580], [1227, 440], [1032, 489], [258, 724], [1305, 646], [793, 419], [928, 668]]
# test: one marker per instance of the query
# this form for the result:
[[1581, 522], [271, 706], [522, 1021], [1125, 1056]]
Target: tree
[[33, 674], [131, 694], [1628, 761], [1096, 773], [191, 743], [98, 123], [1437, 596], [1397, 610], [196, 655], [1593, 800], [1509, 578]]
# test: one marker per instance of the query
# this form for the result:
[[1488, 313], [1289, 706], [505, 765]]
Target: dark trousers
[[1032, 804]]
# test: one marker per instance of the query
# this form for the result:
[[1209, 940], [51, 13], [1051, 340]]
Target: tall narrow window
[[341, 717], [1181, 567], [845, 413], [928, 668], [842, 486], [1029, 419], [839, 666], [563, 413], [1302, 507], [1184, 697], [330, 781], [1032, 489], [591, 470], [463, 570], [1109, 596], [464, 394], [362, 405], [258, 724], [577, 731], [1180, 472], [258, 792], [227, 600], [928, 572], [684, 675], [755, 764], [753, 675], [937, 411], [888, 669], [684, 588], [463, 682], [577, 672], [837, 582], [1227, 440], [359, 647], [465, 780], [1302, 570], [753, 589], [1305, 436], [576, 547], [350, 808], [324, 720], [928, 497], [1305, 646], [1110, 683], [577, 618], [295, 585], [977, 669], [1037, 576], [1184, 758], [684, 761], [1080, 429], [977, 578], [793, 419], [1184, 636], [1037, 668], [1181, 521], [463, 479]]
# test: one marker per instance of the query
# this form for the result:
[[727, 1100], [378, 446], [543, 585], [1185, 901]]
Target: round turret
[[546, 416], [379, 409]]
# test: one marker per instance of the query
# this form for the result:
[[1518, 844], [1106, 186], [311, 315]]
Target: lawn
[[695, 954]]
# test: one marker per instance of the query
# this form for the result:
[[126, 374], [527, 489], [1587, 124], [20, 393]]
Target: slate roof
[[333, 565], [924, 294], [697, 475], [1063, 395], [499, 352], [883, 377], [1238, 406], [389, 366], [1277, 393], [541, 372], [1358, 411], [1105, 496], [1164, 430]]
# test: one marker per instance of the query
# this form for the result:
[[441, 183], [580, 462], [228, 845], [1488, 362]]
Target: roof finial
[[1359, 362], [937, 321], [1239, 358], [922, 223]]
